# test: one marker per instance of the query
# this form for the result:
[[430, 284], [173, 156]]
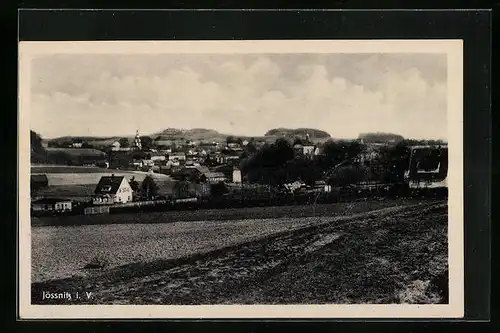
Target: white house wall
[[124, 193]]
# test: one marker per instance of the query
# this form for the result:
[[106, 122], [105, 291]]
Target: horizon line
[[232, 134]]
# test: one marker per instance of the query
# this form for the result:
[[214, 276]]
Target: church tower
[[137, 141]]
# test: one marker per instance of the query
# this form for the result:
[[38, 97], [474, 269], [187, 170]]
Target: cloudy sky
[[343, 94]]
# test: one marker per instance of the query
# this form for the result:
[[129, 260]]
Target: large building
[[236, 176], [112, 189], [137, 141], [215, 177], [51, 205], [428, 167], [306, 150]]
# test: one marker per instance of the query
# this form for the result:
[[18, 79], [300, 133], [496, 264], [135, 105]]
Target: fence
[[140, 203], [96, 210], [254, 197]]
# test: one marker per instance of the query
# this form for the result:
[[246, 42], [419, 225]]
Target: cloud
[[237, 94]]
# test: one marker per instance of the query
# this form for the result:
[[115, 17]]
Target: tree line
[[275, 164]]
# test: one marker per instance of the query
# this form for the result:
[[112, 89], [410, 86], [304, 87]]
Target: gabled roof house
[[112, 189]]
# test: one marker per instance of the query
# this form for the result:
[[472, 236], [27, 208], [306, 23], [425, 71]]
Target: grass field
[[83, 191], [61, 251], [77, 175], [66, 169], [397, 254]]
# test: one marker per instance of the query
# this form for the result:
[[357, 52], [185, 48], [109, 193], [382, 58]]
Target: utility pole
[[327, 175]]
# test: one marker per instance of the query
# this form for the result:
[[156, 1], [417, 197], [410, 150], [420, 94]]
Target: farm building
[[39, 182], [112, 189], [322, 186], [234, 145], [117, 147], [231, 156], [308, 150], [215, 177], [179, 156], [155, 158], [51, 205], [303, 150], [428, 167], [236, 175]]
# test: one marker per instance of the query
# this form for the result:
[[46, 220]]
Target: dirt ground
[[397, 255]]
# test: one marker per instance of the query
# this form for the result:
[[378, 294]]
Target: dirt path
[[390, 256]]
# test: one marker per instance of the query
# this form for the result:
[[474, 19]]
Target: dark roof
[[39, 178], [112, 181], [50, 201]]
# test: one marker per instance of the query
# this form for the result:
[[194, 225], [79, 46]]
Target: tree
[[149, 189], [124, 143], [268, 165], [134, 184], [297, 141], [282, 151], [230, 139], [219, 189], [337, 151], [86, 145], [181, 189], [394, 161], [250, 148], [146, 142], [38, 152], [303, 168]]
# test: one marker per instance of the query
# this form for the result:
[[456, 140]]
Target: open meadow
[[83, 192], [61, 175], [397, 251]]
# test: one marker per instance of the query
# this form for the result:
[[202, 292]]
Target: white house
[[112, 189], [236, 176], [150, 162], [51, 205], [296, 185], [115, 146], [158, 158], [308, 149], [177, 156], [215, 177]]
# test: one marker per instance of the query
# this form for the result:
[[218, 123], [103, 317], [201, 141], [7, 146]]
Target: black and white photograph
[[241, 178]]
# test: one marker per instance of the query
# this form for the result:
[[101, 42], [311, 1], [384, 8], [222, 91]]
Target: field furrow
[[386, 253]]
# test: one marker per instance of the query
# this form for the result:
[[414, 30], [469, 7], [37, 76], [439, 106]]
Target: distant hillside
[[195, 134], [298, 132], [91, 140], [380, 137], [190, 134]]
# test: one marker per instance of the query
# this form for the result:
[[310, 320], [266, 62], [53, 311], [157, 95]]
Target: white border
[[452, 48]]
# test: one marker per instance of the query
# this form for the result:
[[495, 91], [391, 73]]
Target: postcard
[[241, 179]]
